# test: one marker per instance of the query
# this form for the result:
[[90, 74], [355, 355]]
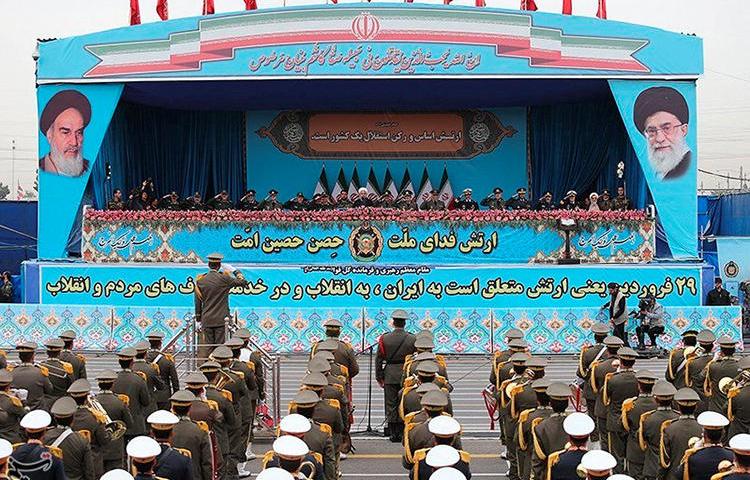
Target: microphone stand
[[369, 428]]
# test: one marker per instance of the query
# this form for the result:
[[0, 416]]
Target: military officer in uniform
[[293, 455], [725, 366], [231, 420], [589, 355], [707, 456], [92, 421], [599, 371], [212, 302], [31, 377], [151, 372], [521, 396], [696, 366], [619, 386], [78, 360], [675, 373], [166, 368], [495, 200], [255, 363], [134, 387], [676, 435], [563, 464], [501, 357], [118, 410], [549, 436], [191, 436], [248, 202], [432, 202], [116, 203], [443, 430], [434, 461], [172, 463], [740, 446], [206, 414], [738, 405], [621, 201], [417, 434], [406, 201], [13, 408], [318, 440], [343, 353], [465, 202], [649, 432], [249, 403], [597, 465], [143, 451], [518, 201], [309, 405], [78, 461], [632, 409], [529, 419], [411, 398], [60, 373], [271, 202], [33, 460], [393, 348]]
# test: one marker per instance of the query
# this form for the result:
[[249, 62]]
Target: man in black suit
[[718, 296]]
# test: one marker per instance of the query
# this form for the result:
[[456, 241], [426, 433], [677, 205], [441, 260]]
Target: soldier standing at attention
[[90, 420], [676, 434], [212, 302], [590, 355], [649, 433], [549, 435], [675, 373], [599, 371], [619, 386], [563, 465], [707, 456], [258, 395], [344, 353], [143, 452], [192, 436], [76, 359], [33, 460], [13, 408], [738, 408], [696, 366], [77, 458], [29, 376], [632, 409], [134, 387], [59, 372], [725, 366], [529, 419], [393, 348], [117, 408], [167, 370], [172, 463]]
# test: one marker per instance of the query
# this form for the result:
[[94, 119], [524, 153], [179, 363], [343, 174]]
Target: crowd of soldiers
[[144, 198], [692, 425]]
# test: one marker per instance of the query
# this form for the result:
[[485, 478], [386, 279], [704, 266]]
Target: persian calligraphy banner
[[384, 286], [382, 242]]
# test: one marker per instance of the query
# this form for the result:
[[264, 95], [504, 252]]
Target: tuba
[[726, 384], [116, 428]]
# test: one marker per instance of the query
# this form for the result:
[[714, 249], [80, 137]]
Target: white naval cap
[[295, 423], [578, 424], [441, 456], [740, 443], [274, 473], [712, 420], [290, 447], [620, 476], [36, 420], [117, 474], [598, 461], [163, 417], [6, 449], [447, 473], [444, 426], [143, 447]]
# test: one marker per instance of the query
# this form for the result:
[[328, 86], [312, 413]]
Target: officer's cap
[[106, 376], [182, 398], [447, 473], [578, 425], [712, 420], [686, 396], [117, 474], [424, 342], [497, 190], [726, 342], [242, 333], [518, 344], [143, 448], [234, 343], [196, 378], [664, 389], [444, 426], [427, 367], [537, 363], [740, 444], [422, 356], [706, 337], [329, 345], [325, 355], [6, 449], [514, 334], [598, 461], [434, 399], [519, 358], [600, 329], [274, 473], [424, 333], [209, 366], [54, 344], [290, 447], [141, 347], [541, 384], [613, 342], [399, 314], [221, 353], [426, 387], [690, 333], [68, 335], [79, 388], [36, 420], [318, 365], [558, 391], [332, 323], [521, 190], [215, 257], [295, 423], [64, 407], [127, 353], [314, 380], [155, 335], [5, 377], [570, 193], [620, 476], [646, 376], [306, 398], [26, 347], [162, 420], [627, 353], [441, 456]]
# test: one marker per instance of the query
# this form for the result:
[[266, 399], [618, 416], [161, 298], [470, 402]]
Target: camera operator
[[651, 316]]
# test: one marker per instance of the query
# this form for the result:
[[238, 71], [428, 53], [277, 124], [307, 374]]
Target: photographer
[[651, 316]]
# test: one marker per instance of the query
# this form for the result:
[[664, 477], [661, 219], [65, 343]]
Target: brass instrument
[[223, 379], [55, 371], [307, 469], [116, 428], [726, 384]]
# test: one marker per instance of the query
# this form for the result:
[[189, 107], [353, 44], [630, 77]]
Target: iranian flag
[[425, 187], [19, 192], [406, 183], [567, 7], [135, 12], [162, 9], [322, 185], [601, 12], [445, 193], [208, 7], [253, 5], [389, 185], [372, 183], [340, 185], [353, 184], [528, 5]]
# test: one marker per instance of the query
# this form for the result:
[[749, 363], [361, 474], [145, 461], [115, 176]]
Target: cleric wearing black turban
[[661, 114], [63, 120]]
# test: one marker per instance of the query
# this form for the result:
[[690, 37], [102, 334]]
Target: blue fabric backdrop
[[728, 215], [183, 151], [578, 146]]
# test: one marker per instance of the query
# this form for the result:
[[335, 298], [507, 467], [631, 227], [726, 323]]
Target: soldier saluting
[[212, 301], [393, 348]]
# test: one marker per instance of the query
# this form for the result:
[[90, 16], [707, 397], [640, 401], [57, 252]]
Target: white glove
[[228, 268]]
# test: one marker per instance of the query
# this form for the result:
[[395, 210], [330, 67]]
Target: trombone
[[116, 428]]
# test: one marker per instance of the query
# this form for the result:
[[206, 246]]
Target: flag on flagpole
[[353, 184], [253, 5], [340, 185], [601, 12], [135, 12], [567, 7], [208, 7], [389, 185], [528, 5], [19, 191], [425, 187], [162, 9], [372, 183], [445, 192], [406, 183], [480, 3], [322, 185]]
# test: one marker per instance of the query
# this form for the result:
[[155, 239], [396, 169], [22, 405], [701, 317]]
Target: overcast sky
[[723, 92]]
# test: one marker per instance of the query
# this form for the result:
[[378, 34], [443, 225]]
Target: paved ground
[[375, 456]]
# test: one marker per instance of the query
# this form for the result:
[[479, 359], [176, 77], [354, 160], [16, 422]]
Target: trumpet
[[116, 428], [726, 384]]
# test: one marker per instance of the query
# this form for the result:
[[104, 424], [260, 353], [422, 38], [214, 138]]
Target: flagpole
[[12, 161]]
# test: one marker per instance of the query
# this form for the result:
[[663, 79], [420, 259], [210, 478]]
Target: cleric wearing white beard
[[63, 121], [662, 115]]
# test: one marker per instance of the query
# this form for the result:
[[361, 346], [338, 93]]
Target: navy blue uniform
[[424, 471], [703, 463], [173, 465], [35, 462], [564, 465]]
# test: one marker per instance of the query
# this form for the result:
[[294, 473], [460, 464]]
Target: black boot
[[396, 433]]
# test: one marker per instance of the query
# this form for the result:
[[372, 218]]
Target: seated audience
[[170, 202], [220, 202], [621, 201], [361, 198], [297, 204], [193, 202], [605, 201], [406, 201], [593, 202]]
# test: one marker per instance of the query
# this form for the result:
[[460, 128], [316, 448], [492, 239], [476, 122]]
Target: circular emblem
[[366, 243], [293, 133], [731, 269], [365, 26], [479, 132]]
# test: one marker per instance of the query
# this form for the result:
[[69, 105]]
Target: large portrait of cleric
[[661, 115], [63, 122]]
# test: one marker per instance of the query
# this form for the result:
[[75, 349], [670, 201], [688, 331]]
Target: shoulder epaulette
[[642, 441], [239, 374], [292, 407], [203, 426], [67, 366], [420, 455], [56, 451], [124, 399], [15, 401], [43, 370], [142, 375], [344, 370], [156, 368], [212, 404], [409, 417], [81, 357], [554, 457], [100, 417], [267, 457], [226, 394], [334, 403], [86, 434], [465, 456], [184, 451], [250, 365], [720, 475], [627, 406], [662, 428], [318, 457], [16, 445], [325, 428]]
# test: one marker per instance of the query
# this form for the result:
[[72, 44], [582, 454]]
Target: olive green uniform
[[77, 458]]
